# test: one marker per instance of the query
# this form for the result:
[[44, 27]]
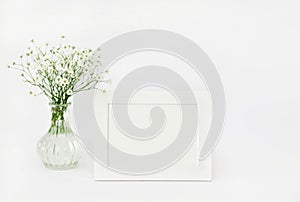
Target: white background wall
[[254, 45]]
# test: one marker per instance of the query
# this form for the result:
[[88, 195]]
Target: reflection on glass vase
[[60, 148]]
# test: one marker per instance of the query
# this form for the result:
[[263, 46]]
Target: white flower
[[69, 92], [50, 69], [37, 79], [58, 80], [64, 82], [71, 73]]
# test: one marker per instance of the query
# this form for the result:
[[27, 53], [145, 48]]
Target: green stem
[[58, 122]]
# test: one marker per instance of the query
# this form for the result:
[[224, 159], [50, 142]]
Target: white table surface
[[246, 168]]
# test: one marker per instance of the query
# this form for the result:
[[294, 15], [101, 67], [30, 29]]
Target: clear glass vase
[[60, 147]]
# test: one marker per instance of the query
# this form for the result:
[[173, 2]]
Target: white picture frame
[[188, 168]]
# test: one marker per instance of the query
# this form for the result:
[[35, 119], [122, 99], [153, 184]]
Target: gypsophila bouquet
[[59, 71]]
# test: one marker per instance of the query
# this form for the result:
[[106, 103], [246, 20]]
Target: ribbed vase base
[[61, 167]]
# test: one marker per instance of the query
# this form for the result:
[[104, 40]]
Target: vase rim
[[60, 105]]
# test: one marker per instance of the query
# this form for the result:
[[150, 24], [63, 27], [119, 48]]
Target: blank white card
[[188, 168]]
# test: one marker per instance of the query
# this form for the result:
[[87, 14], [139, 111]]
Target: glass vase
[[60, 147]]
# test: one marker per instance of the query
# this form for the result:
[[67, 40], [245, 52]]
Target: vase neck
[[59, 112], [59, 118]]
